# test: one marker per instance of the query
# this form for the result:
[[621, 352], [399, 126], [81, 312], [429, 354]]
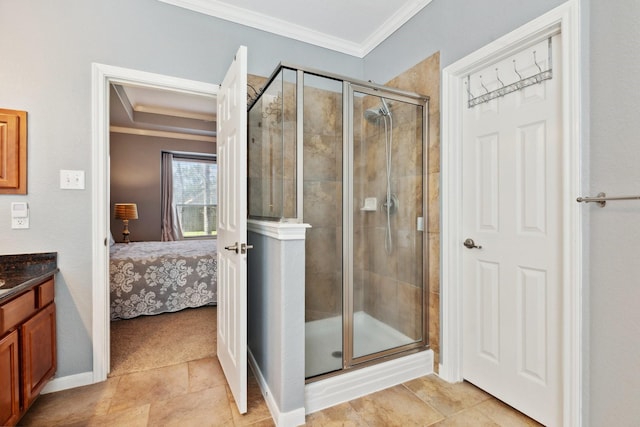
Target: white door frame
[[565, 19], [101, 77]]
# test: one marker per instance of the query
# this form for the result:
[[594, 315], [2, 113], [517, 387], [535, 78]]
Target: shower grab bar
[[602, 199]]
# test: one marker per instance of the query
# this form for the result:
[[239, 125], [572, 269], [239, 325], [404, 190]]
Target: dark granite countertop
[[19, 272]]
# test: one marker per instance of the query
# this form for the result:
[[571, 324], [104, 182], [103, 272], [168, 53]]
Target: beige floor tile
[[257, 409], [205, 408], [264, 423], [343, 415], [505, 415], [445, 397], [395, 406], [205, 373], [467, 418], [155, 385], [133, 417], [71, 405]]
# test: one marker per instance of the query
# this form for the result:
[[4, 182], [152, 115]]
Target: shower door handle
[[469, 243]]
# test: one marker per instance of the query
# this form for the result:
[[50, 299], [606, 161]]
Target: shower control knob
[[469, 243]]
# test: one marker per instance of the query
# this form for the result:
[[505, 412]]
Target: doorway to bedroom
[[162, 165]]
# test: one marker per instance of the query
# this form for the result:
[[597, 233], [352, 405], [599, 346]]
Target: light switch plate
[[19, 215], [71, 180]]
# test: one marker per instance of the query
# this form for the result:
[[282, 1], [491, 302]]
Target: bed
[[158, 277]]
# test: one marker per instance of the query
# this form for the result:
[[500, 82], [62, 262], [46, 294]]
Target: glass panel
[[195, 196], [323, 210], [272, 150], [388, 179]]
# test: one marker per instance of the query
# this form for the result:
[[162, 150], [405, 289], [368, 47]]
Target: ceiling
[[163, 113], [354, 27]]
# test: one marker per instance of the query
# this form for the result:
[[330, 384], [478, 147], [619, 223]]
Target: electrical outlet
[[71, 180], [19, 223]]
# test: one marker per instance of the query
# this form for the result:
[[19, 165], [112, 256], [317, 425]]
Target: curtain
[[170, 224]]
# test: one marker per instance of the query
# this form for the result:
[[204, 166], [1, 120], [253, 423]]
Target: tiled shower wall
[[323, 202], [424, 78]]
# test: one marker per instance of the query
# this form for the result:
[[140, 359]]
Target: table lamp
[[125, 212]]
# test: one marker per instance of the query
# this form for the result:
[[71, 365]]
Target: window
[[195, 196]]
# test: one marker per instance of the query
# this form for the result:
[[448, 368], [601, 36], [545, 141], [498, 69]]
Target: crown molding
[[391, 25], [298, 32], [161, 134]]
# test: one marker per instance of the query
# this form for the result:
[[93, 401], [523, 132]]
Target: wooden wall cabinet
[[13, 152], [27, 349]]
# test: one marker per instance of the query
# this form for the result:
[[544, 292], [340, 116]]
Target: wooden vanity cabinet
[[27, 349], [38, 352], [9, 380]]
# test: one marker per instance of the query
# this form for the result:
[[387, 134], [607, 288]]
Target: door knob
[[244, 247], [469, 243], [233, 247]]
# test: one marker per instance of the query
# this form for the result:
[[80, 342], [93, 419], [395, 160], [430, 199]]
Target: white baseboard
[[344, 387], [70, 381], [282, 419]]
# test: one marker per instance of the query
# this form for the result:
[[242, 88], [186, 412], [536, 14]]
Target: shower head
[[373, 114]]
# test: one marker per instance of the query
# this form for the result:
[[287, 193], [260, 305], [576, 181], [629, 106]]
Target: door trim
[[566, 20], [101, 77]]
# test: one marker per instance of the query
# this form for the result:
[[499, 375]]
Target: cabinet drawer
[[44, 293], [16, 311]]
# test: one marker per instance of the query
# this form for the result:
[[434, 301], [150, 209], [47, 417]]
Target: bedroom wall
[[136, 178]]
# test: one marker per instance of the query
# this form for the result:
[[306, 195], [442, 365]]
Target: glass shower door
[[388, 224]]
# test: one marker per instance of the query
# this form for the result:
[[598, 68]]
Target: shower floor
[[323, 341]]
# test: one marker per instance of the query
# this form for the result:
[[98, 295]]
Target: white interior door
[[512, 181], [232, 227]]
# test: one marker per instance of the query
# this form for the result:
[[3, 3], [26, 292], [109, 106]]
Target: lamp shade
[[126, 211]]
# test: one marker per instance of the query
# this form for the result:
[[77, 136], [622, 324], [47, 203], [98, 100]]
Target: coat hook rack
[[498, 78], [521, 83]]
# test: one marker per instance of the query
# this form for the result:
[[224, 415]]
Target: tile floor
[[195, 394]]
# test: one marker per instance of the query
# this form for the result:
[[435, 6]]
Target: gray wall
[[275, 317], [47, 50], [453, 27], [614, 317], [135, 178]]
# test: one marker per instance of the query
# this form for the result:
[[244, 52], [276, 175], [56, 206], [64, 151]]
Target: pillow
[[111, 241]]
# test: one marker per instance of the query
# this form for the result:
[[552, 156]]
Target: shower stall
[[348, 158]]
